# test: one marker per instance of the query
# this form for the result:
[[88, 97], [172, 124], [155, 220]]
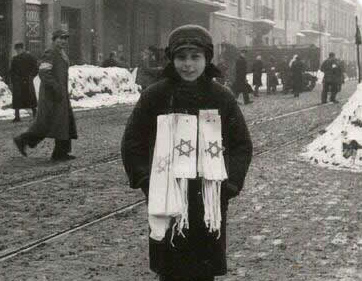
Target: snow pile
[[87, 81], [5, 95], [89, 87], [340, 146]]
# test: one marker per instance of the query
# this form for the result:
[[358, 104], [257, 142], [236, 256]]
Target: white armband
[[45, 66]]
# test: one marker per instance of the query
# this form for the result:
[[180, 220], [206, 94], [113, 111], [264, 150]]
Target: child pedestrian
[[187, 146]]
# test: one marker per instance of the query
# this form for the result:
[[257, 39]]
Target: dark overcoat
[[24, 67], [257, 72], [55, 116], [297, 69], [332, 71], [240, 82], [200, 253]]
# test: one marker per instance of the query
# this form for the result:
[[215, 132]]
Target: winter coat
[[240, 83], [200, 253], [55, 116], [24, 67], [297, 70], [332, 71], [257, 72]]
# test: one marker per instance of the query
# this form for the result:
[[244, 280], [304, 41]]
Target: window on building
[[248, 3]]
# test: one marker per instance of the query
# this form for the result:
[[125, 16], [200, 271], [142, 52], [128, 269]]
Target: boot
[[20, 144], [17, 115]]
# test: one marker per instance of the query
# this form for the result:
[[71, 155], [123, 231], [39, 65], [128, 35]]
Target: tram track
[[102, 217], [113, 157]]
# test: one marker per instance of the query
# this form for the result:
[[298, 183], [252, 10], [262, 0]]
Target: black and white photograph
[[180, 140]]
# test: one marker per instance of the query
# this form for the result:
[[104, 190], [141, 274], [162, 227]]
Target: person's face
[[190, 63], [19, 50], [61, 42]]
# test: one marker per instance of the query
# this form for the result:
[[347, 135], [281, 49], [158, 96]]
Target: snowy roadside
[[339, 145], [89, 87]]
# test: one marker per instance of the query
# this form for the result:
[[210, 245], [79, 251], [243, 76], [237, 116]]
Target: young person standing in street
[[187, 90], [55, 116], [24, 67]]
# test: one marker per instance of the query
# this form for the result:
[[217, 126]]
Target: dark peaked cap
[[59, 33]]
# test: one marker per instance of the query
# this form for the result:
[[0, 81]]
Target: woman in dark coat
[[297, 68], [55, 116], [200, 255], [24, 67]]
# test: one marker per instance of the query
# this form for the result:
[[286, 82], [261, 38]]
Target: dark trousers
[[246, 97], [329, 87], [61, 147], [171, 278]]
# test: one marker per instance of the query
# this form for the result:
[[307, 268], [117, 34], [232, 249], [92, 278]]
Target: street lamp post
[[358, 42]]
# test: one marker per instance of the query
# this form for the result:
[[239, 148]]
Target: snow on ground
[[340, 146], [89, 87]]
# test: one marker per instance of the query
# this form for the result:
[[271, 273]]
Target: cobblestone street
[[292, 221]]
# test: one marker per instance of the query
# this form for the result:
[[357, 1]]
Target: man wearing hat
[[332, 77], [55, 116], [24, 67]]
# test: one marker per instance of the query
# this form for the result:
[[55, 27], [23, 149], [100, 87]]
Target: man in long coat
[[55, 116], [24, 67], [241, 84]]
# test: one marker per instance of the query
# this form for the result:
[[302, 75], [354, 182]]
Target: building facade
[[132, 27], [97, 27], [328, 24]]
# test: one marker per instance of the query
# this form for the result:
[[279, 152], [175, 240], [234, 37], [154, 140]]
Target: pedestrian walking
[[272, 79], [297, 69], [240, 83], [257, 73], [331, 79], [55, 116], [23, 69], [159, 155]]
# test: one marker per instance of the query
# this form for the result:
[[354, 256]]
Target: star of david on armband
[[214, 149], [162, 163], [184, 148]]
